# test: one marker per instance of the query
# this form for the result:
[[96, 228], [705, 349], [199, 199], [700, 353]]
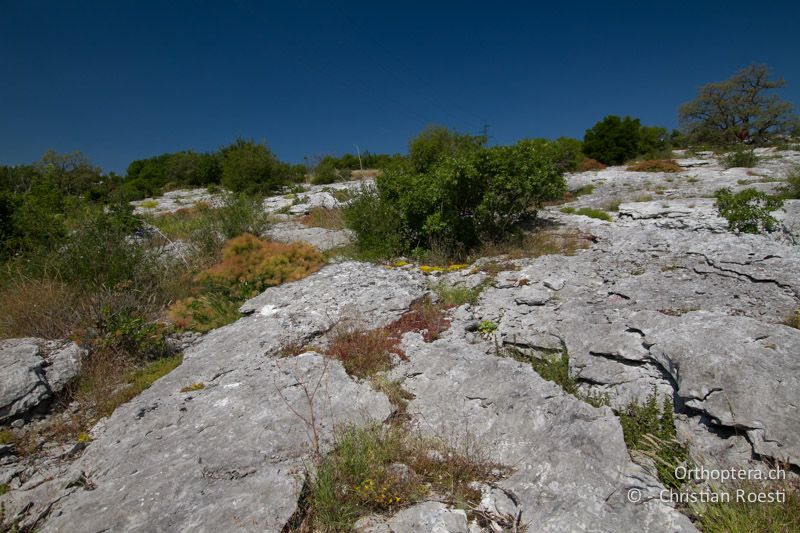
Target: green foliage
[[557, 371], [740, 158], [583, 190], [748, 211], [654, 143], [741, 109], [435, 143], [477, 195], [650, 429], [587, 212], [330, 170], [737, 516], [613, 140], [252, 168], [457, 295], [126, 332], [487, 327]]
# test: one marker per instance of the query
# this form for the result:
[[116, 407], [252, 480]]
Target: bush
[[435, 143], [748, 211], [791, 191], [655, 165], [740, 158], [329, 170], [613, 140], [478, 195]]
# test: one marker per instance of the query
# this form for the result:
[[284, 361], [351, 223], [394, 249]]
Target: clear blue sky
[[121, 80]]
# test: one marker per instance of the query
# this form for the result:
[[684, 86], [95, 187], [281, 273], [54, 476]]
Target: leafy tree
[[70, 173], [191, 168], [436, 142], [741, 109], [476, 195], [251, 167], [613, 140], [654, 142]]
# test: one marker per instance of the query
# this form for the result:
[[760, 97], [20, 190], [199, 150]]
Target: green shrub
[[650, 429], [748, 211], [252, 168], [613, 140], [740, 158], [479, 195]]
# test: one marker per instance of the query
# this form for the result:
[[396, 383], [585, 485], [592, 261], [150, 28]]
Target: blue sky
[[121, 80]]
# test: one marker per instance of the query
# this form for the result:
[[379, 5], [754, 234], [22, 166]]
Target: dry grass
[[38, 308], [590, 164], [363, 353], [319, 217], [381, 469], [655, 165], [793, 320], [423, 316], [539, 243]]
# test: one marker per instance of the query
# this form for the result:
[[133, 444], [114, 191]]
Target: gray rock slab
[[571, 469], [321, 238]]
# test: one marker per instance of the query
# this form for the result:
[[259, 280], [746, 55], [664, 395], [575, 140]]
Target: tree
[[436, 142], [742, 109], [251, 167], [613, 140]]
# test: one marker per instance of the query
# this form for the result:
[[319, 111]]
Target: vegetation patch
[[589, 164], [739, 158], [423, 316], [363, 353], [379, 469], [458, 295], [735, 516], [655, 165], [320, 217], [249, 266], [583, 190], [587, 212], [748, 211], [649, 429], [194, 387], [793, 321]]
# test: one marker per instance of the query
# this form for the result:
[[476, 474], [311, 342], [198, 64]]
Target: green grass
[[744, 517], [149, 204], [6, 436], [455, 296], [588, 212], [583, 190]]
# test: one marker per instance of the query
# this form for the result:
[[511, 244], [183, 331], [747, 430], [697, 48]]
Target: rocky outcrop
[[234, 451], [571, 469], [173, 201], [33, 371], [320, 238]]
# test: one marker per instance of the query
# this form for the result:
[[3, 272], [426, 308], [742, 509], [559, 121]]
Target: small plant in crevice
[[748, 211], [649, 428], [487, 328], [793, 320]]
